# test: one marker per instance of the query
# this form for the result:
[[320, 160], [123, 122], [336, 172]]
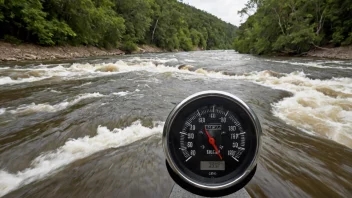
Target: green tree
[[25, 19], [167, 24], [94, 22], [137, 15], [294, 26]]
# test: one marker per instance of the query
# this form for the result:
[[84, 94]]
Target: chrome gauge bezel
[[173, 115]]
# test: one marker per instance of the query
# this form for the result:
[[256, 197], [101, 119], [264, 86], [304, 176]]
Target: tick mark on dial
[[188, 158], [235, 158]]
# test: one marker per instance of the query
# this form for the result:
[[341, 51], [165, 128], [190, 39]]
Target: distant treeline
[[294, 26], [168, 24]]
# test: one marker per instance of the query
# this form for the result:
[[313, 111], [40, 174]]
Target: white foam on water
[[75, 71], [48, 163], [55, 91], [34, 108], [154, 60], [317, 64], [79, 71], [121, 93], [82, 85], [124, 93], [322, 107], [8, 80], [52, 90], [153, 68], [190, 61], [2, 111]]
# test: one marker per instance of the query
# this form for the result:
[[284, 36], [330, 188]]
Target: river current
[[92, 127]]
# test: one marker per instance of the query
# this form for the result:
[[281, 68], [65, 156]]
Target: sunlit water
[[92, 127]]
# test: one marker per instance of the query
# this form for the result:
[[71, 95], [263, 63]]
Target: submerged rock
[[186, 67]]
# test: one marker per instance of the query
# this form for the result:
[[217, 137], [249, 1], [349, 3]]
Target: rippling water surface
[[92, 127]]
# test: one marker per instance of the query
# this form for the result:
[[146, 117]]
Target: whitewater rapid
[[317, 107], [50, 162], [51, 108], [320, 107]]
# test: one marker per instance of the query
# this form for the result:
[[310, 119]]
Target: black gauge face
[[212, 141]]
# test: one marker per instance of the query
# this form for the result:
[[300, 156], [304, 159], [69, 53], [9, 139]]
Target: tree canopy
[[167, 24], [294, 26]]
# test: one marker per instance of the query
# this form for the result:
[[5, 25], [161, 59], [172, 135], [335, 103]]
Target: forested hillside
[[168, 24], [294, 26]]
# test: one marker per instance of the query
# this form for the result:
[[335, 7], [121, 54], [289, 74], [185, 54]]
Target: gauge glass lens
[[212, 141]]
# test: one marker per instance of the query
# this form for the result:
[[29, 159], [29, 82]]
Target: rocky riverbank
[[335, 53], [11, 52]]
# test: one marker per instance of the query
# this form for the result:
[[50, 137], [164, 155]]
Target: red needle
[[212, 142]]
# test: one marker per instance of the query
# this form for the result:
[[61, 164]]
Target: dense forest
[[294, 26], [168, 24]]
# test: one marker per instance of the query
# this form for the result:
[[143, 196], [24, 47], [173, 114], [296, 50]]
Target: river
[[92, 127]]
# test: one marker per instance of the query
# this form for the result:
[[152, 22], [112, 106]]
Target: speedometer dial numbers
[[211, 141]]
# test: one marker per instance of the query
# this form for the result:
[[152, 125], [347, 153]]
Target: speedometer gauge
[[211, 141]]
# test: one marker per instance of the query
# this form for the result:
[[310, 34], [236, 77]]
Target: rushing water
[[92, 127]]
